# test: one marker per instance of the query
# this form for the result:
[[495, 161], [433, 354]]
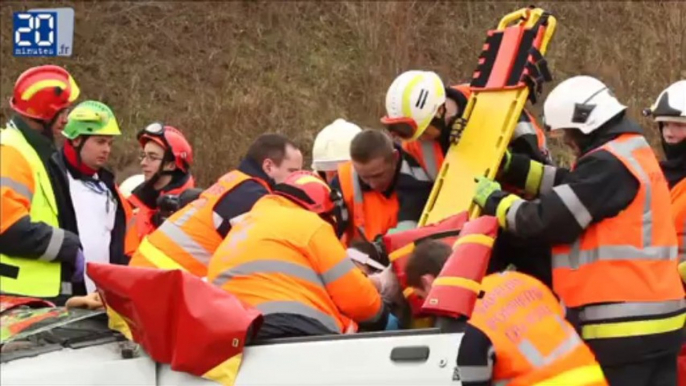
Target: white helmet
[[413, 101], [670, 105], [332, 145], [580, 102], [130, 184]]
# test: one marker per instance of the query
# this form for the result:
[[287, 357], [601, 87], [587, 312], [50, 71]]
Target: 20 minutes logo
[[43, 32]]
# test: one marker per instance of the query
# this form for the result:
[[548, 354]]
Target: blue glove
[[393, 323], [79, 265]]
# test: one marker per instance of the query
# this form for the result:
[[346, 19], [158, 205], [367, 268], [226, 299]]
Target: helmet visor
[[155, 132], [402, 128]]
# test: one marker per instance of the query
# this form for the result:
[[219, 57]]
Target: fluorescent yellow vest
[[36, 278]]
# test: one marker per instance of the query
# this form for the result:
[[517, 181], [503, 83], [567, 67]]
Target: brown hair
[[269, 146], [370, 144], [428, 257]]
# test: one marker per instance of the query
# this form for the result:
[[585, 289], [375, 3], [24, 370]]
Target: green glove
[[484, 188]]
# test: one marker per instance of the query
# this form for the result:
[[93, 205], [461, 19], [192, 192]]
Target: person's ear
[[267, 166], [76, 142], [427, 282], [169, 166]]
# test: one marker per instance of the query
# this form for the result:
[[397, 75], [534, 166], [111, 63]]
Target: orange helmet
[[308, 190], [172, 140], [42, 92]]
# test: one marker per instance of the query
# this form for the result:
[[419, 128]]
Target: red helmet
[[171, 139], [42, 92], [308, 190]]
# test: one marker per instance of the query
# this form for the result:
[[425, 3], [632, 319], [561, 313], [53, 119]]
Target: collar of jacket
[[391, 188], [252, 169], [147, 194], [103, 174], [621, 124], [43, 145]]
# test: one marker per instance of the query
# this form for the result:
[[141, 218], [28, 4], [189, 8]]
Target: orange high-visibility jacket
[[370, 211], [533, 343], [678, 195], [189, 237], [144, 214], [131, 241], [281, 258], [629, 259]]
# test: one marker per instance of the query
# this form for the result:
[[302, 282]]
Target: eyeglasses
[[150, 157]]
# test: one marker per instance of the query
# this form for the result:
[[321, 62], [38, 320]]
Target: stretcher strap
[[506, 57]]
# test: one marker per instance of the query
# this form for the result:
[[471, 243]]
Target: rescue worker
[[92, 206], [166, 159], [384, 188], [37, 257], [669, 111], [425, 130], [421, 111], [517, 333], [332, 147], [190, 236], [283, 258], [609, 223]]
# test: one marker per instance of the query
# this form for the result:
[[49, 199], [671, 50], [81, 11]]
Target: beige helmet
[[131, 183], [332, 145]]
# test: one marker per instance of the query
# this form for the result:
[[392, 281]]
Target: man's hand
[[91, 301], [484, 189], [387, 284]]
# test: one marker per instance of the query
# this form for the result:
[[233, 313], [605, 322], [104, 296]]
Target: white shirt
[[95, 210]]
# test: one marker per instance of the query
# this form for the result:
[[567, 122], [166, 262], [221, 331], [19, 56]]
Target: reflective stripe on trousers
[[293, 270]]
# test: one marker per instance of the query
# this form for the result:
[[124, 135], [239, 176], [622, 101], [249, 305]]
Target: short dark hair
[[370, 144], [269, 146], [428, 257]]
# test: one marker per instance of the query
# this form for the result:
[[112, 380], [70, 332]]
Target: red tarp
[[175, 316]]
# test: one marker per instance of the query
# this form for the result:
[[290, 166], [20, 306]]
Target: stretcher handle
[[513, 17]]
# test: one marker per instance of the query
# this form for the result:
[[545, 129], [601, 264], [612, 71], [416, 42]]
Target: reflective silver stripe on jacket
[[293, 270], [287, 268], [54, 246], [629, 309], [18, 187], [358, 199], [292, 307], [478, 373], [430, 161], [173, 230], [537, 360], [547, 180], [524, 128]]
